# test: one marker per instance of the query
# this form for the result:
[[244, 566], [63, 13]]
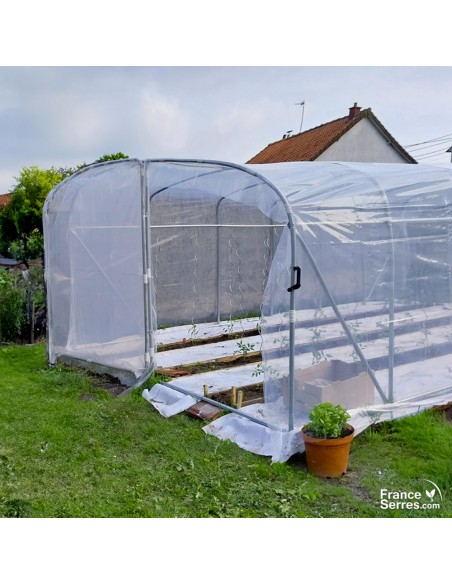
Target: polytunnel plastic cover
[[132, 246]]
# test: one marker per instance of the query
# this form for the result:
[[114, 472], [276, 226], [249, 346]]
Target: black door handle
[[298, 282]]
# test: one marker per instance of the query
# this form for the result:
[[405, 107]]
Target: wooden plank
[[204, 411], [256, 400]]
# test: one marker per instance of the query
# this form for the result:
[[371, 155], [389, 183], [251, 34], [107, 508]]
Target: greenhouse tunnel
[[345, 268]]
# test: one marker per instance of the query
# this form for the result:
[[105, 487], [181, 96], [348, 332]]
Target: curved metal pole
[[272, 255], [292, 322], [147, 268], [87, 168], [147, 282], [218, 307]]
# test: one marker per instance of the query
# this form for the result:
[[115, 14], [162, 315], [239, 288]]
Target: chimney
[[354, 111]]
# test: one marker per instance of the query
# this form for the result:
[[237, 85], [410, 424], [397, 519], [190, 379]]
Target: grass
[[65, 456]]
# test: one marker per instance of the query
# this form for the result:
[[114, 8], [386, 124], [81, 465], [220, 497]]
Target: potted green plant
[[327, 440]]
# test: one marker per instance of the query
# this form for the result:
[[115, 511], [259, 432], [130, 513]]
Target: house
[[357, 137], [4, 200]]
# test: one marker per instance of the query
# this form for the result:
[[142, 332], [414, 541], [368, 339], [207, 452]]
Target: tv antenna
[[301, 103]]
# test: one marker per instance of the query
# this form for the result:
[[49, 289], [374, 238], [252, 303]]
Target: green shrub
[[12, 307], [35, 247], [34, 283]]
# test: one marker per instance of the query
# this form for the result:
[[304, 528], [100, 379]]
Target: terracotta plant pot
[[327, 457]]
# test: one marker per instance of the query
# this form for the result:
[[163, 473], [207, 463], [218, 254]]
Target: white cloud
[[165, 124], [6, 179], [54, 116], [244, 117], [74, 123]]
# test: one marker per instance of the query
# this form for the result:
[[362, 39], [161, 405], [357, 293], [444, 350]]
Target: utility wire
[[432, 152], [427, 141], [434, 158], [431, 155], [444, 141]]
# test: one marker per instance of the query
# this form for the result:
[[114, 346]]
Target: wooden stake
[[233, 396], [239, 399], [206, 390]]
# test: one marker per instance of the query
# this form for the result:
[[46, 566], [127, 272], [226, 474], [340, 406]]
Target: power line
[[427, 141], [437, 143], [434, 158], [432, 154]]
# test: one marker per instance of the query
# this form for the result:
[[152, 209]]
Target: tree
[[107, 157], [104, 158], [21, 218]]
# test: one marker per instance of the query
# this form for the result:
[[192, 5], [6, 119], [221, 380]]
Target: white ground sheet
[[414, 379], [280, 445], [412, 382]]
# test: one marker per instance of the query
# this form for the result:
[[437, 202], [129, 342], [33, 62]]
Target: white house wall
[[362, 143]]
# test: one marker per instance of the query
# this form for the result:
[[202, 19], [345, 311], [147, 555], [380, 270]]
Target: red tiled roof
[[4, 199], [310, 144]]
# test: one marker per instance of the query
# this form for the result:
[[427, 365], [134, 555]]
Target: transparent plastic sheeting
[[211, 230], [94, 269], [213, 234], [280, 445], [374, 243], [132, 245]]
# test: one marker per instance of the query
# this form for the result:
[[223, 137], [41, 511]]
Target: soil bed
[[345, 432], [195, 342], [221, 363], [106, 382], [251, 394]]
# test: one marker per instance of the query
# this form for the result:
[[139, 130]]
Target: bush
[[34, 284], [12, 308], [35, 247]]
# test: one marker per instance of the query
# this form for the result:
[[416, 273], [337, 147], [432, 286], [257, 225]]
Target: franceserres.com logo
[[431, 498]]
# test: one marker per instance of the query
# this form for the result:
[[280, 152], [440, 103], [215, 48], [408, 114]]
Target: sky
[[66, 115]]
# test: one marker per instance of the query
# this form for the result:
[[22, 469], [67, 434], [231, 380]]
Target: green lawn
[[63, 456]]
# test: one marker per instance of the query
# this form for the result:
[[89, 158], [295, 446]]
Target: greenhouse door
[[210, 267]]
